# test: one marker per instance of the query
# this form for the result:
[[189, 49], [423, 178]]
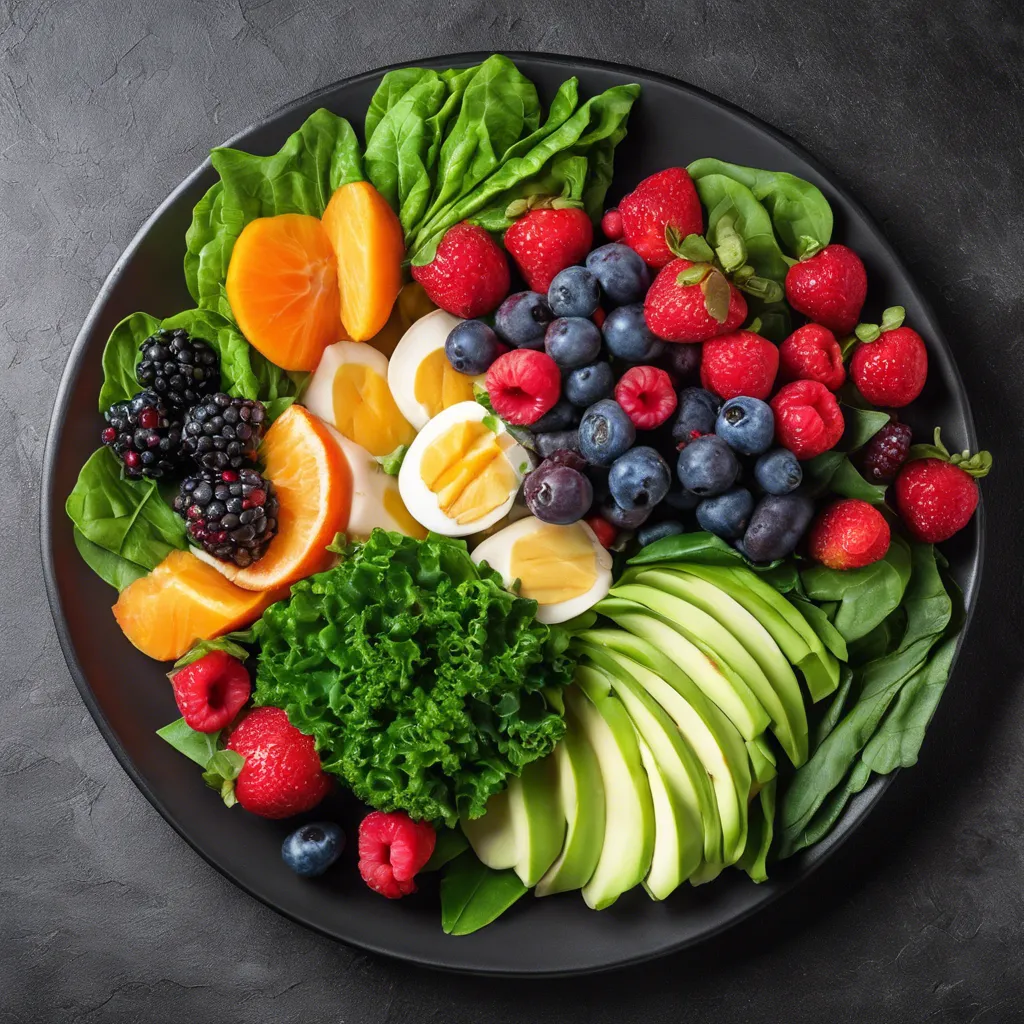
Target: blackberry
[[222, 432], [231, 513], [178, 367], [880, 459], [145, 434]]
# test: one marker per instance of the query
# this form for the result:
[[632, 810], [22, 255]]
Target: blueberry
[[681, 362], [606, 432], [574, 292], [623, 518], [727, 514], [558, 493], [589, 384], [621, 272], [568, 457], [628, 337], [572, 341], [522, 319], [639, 479], [695, 415], [747, 425], [778, 523], [310, 850], [707, 466], [658, 531], [778, 471], [555, 440], [681, 499], [472, 346], [561, 416]]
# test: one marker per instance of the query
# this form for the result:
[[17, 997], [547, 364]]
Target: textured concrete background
[[105, 915]]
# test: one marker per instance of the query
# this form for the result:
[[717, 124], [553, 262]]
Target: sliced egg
[[565, 569], [421, 378], [462, 472], [349, 390]]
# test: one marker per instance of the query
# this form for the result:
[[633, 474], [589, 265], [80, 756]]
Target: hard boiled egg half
[[421, 378], [462, 472], [349, 390], [565, 569]]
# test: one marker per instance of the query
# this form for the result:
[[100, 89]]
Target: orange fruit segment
[[368, 240], [181, 601], [282, 284], [313, 483]]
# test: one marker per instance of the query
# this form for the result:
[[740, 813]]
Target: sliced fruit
[[537, 820], [282, 283], [369, 244], [671, 828], [762, 760], [181, 601], [491, 835]]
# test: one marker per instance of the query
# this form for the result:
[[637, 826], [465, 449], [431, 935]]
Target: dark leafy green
[[121, 356], [834, 472], [820, 623], [861, 426], [119, 572], [236, 644], [197, 746], [760, 832], [472, 895], [707, 549], [449, 844]]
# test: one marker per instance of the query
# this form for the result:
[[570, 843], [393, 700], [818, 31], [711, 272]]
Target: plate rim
[[799, 868]]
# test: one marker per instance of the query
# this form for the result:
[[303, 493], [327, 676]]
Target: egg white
[[319, 396]]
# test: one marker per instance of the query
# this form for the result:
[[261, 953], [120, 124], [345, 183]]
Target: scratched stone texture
[[105, 915]]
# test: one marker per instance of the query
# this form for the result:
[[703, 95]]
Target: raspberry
[[392, 849], [611, 224], [523, 385], [741, 363], [849, 534], [211, 691], [808, 420], [647, 395], [812, 353], [880, 459], [603, 530]]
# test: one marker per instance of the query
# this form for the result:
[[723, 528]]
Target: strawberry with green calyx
[[665, 201], [729, 255], [829, 287], [890, 365], [549, 234], [937, 492], [692, 302]]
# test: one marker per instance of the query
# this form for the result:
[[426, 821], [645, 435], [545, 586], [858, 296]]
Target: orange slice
[[282, 284]]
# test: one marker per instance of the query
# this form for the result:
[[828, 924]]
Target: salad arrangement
[[585, 564]]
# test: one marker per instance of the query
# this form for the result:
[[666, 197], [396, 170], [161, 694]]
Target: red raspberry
[[890, 368], [741, 363], [611, 224], [880, 459], [647, 395], [603, 530], [666, 199], [849, 534], [523, 384], [935, 498], [676, 311], [808, 420], [211, 691], [829, 288], [469, 273], [392, 849], [282, 774], [546, 241], [812, 353]]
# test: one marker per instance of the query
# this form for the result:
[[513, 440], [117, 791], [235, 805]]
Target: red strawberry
[[282, 775], [808, 420], [812, 353], [891, 365], [611, 224], [666, 199], [936, 492], [647, 395], [849, 534], [692, 302], [523, 385], [829, 288], [741, 363], [392, 849], [211, 691], [603, 530], [468, 275], [546, 241]]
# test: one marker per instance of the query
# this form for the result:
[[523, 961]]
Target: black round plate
[[128, 695]]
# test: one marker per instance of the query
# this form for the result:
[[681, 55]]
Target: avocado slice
[[581, 795], [762, 760], [491, 835], [538, 823], [713, 737], [789, 716], [627, 846]]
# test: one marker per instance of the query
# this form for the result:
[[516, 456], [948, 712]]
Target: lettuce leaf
[[418, 674]]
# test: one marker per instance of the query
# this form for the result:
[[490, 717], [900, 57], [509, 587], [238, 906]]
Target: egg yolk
[[395, 507], [365, 411], [553, 564], [437, 385], [467, 469]]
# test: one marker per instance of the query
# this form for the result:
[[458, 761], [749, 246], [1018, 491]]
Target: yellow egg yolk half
[[365, 411], [437, 385], [553, 564], [467, 469], [395, 507]]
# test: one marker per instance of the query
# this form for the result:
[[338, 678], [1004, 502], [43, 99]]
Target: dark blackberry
[[231, 513], [880, 459], [145, 434], [178, 367], [223, 433]]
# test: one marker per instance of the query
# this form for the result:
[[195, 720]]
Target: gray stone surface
[[105, 915]]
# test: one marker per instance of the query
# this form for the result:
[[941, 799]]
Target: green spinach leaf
[[119, 572], [472, 895], [393, 86], [760, 831], [197, 746], [861, 426], [230, 643], [833, 471], [819, 622], [121, 356], [449, 844]]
